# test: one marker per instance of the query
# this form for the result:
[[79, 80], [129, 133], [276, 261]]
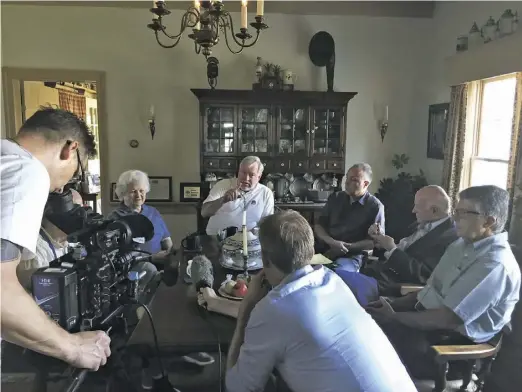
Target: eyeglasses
[[78, 174], [460, 213]]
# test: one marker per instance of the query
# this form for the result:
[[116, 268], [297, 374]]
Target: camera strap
[[47, 239]]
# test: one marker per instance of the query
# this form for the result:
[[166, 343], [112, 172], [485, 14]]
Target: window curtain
[[455, 142], [73, 103], [515, 169]]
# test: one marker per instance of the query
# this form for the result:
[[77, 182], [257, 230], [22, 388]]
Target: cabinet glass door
[[253, 130], [220, 124], [326, 132], [292, 130]]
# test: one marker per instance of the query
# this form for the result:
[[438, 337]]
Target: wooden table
[[181, 325]]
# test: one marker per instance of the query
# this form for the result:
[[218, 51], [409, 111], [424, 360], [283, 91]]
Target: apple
[[240, 289], [229, 287]]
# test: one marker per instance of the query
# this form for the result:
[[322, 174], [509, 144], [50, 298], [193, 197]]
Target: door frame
[[12, 108]]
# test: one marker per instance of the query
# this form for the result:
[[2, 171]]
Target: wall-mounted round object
[[134, 143], [321, 48]]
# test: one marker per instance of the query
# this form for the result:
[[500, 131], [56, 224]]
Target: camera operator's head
[[61, 141]]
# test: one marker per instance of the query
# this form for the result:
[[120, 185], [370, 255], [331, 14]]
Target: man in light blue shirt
[[309, 327], [472, 291]]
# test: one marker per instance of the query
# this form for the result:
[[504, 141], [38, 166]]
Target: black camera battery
[[55, 290]]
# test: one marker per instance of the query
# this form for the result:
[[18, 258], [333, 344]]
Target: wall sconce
[[152, 121], [383, 124]]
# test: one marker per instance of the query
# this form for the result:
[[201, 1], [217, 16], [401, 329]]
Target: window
[[492, 134]]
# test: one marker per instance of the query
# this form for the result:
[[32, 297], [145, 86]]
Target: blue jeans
[[351, 263]]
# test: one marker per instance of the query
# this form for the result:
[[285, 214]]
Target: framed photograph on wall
[[114, 198], [437, 126], [160, 190], [189, 191]]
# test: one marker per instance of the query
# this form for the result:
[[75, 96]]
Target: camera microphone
[[201, 272]]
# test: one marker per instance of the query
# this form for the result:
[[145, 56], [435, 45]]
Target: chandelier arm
[[197, 48], [225, 33], [241, 43], [185, 22], [166, 46]]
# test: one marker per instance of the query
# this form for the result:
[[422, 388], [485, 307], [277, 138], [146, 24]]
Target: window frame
[[475, 106]]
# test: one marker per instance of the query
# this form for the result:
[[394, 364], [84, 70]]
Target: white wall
[[451, 19], [383, 59]]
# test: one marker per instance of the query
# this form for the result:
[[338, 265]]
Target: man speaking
[[47, 152]]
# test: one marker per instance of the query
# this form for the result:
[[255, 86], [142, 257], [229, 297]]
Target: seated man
[[309, 327], [132, 188], [415, 257], [225, 204], [470, 295], [343, 226]]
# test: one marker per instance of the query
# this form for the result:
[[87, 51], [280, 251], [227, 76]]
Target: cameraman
[[44, 156]]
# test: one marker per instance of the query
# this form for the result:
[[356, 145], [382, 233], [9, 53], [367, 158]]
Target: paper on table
[[320, 259]]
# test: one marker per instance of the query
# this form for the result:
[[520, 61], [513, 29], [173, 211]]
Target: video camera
[[90, 285]]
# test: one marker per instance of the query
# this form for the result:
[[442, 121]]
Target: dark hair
[[491, 201], [287, 240], [59, 126]]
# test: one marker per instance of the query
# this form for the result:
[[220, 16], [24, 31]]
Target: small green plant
[[398, 195]]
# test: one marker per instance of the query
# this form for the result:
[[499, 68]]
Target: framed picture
[[189, 191], [160, 190], [437, 126], [114, 198]]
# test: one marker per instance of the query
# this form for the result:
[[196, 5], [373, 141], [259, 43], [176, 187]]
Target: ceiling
[[412, 9]]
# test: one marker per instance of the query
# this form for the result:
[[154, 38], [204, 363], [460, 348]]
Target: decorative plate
[[223, 293]]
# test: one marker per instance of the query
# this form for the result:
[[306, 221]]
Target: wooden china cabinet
[[291, 131]]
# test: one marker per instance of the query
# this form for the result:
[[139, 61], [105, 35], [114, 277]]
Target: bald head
[[431, 203]]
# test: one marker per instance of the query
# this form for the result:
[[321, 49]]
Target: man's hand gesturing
[[231, 195]]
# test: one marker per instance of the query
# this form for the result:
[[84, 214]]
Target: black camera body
[[92, 282]]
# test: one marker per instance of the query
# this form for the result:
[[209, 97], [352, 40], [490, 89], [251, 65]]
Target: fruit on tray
[[236, 288], [240, 289]]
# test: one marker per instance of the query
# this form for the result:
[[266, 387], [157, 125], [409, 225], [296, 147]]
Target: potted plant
[[398, 196]]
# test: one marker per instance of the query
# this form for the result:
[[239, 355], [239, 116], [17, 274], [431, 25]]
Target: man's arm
[[253, 353], [368, 243], [23, 322], [429, 320], [321, 233], [409, 269], [405, 303], [210, 208]]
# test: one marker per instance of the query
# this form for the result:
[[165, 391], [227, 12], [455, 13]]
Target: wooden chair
[[469, 353]]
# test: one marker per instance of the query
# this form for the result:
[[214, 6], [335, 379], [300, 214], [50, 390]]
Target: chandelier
[[207, 20]]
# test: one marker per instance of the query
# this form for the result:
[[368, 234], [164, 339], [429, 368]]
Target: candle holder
[[245, 266]]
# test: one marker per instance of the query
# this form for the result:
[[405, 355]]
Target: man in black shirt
[[342, 231]]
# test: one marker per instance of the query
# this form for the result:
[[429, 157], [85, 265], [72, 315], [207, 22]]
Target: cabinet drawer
[[318, 164], [334, 165], [299, 165], [267, 164], [228, 163], [211, 163], [281, 165]]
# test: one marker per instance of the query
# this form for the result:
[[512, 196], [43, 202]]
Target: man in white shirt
[[227, 199], [44, 156]]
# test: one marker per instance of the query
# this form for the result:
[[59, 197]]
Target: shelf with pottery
[[496, 57]]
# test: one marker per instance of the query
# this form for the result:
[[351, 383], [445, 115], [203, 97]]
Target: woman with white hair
[[132, 188]]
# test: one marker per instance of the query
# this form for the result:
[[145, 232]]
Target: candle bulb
[[198, 7], [386, 113], [260, 7], [154, 16], [244, 14]]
